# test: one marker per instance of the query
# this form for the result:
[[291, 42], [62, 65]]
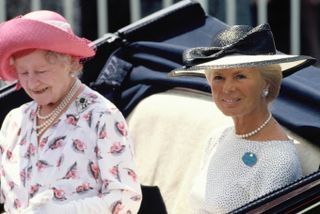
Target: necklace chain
[[52, 116], [249, 134]]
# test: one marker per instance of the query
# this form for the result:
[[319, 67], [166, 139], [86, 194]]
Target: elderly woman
[[68, 150], [255, 155]]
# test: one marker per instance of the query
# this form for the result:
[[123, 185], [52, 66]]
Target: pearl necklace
[[52, 116], [256, 130]]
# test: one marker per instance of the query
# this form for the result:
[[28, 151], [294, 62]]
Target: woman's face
[[238, 92], [45, 82]]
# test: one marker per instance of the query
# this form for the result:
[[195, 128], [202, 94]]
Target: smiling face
[[238, 92], [45, 78]]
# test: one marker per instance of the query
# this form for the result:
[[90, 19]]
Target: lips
[[230, 100], [39, 91]]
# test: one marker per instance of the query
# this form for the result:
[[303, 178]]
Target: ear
[[266, 84], [75, 64], [265, 89]]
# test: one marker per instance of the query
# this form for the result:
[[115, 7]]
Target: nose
[[228, 86], [33, 81]]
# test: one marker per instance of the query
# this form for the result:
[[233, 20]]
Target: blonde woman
[[255, 155]]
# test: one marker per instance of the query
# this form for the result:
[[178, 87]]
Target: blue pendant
[[249, 159]]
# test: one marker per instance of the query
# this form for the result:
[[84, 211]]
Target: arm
[[122, 189], [3, 136]]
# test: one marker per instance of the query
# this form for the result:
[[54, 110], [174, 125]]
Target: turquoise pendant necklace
[[249, 159]]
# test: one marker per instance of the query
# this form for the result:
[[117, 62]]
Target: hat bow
[[238, 39]]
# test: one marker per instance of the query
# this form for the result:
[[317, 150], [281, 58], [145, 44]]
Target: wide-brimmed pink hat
[[41, 29]]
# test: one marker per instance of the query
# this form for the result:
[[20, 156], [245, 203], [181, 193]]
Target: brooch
[[82, 103], [249, 159]]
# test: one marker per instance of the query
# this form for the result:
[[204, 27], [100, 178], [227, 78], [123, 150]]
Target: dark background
[[119, 16]]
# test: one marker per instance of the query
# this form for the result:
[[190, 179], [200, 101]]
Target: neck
[[251, 127], [47, 108], [47, 120]]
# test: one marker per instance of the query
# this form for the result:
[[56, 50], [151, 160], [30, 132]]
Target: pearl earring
[[72, 74], [265, 92]]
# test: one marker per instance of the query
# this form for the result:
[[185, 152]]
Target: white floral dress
[[82, 164]]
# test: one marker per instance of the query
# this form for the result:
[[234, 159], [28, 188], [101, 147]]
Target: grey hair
[[52, 57]]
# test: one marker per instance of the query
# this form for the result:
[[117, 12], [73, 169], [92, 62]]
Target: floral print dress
[[83, 163]]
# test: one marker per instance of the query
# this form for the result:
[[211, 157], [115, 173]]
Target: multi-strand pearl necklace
[[52, 116], [256, 130]]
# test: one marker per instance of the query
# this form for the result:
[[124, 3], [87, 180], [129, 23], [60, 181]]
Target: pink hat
[[42, 29]]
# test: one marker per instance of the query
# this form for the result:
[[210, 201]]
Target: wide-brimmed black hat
[[240, 46]]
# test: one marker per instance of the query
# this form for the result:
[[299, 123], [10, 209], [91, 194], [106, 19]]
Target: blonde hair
[[272, 74], [208, 74]]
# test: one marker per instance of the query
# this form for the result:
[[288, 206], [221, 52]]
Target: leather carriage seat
[[169, 131]]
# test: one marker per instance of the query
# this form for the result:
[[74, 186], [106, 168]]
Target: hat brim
[[288, 64], [20, 34]]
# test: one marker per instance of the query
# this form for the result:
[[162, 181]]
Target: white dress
[[81, 164], [225, 182]]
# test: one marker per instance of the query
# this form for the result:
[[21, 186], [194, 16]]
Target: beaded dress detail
[[225, 182]]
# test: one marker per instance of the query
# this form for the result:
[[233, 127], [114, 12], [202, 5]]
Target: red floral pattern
[[86, 153], [83, 187]]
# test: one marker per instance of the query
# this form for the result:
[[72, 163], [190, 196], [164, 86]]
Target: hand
[[38, 204]]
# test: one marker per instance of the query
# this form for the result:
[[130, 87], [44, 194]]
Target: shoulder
[[217, 135], [281, 157], [91, 100], [220, 132], [19, 112], [284, 149], [99, 107], [15, 120]]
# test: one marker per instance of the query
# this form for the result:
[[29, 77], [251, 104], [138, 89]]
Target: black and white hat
[[240, 46]]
